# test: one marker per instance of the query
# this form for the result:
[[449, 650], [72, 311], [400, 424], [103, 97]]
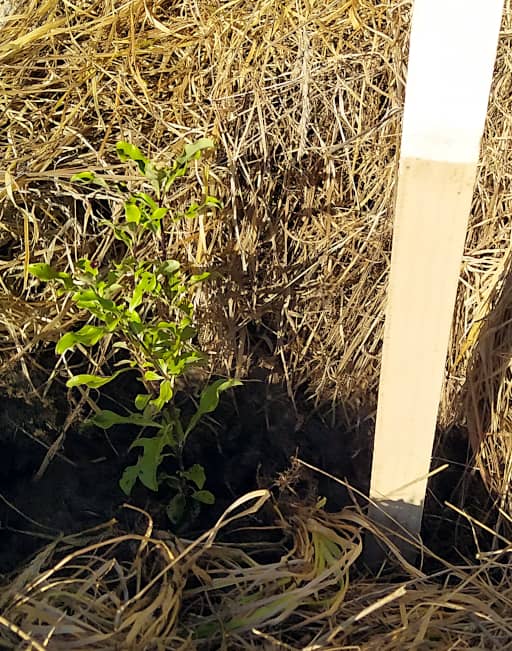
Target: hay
[[305, 173], [114, 590], [305, 102]]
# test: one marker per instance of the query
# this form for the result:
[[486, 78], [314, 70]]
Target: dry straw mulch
[[304, 100], [109, 590]]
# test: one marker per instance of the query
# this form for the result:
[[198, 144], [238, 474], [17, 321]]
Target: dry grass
[[304, 100], [305, 173], [106, 590]]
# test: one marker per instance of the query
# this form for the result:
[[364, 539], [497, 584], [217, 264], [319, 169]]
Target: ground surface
[[255, 433], [248, 444]]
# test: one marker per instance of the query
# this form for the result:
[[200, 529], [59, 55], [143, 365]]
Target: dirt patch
[[77, 490], [248, 444]]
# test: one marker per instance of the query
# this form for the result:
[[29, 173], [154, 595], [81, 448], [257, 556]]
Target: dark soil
[[78, 489], [248, 445]]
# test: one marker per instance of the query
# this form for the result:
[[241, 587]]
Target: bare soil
[[249, 444]]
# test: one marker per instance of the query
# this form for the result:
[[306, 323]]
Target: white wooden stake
[[452, 54]]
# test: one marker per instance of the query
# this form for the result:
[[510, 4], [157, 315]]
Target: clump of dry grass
[[151, 590]]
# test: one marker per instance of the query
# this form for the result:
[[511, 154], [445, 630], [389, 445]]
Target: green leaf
[[89, 177], [169, 267], [193, 150], [106, 419], [128, 479], [134, 320], [176, 508], [204, 496], [127, 151], [151, 376], [47, 273], [149, 201], [91, 334], [164, 396], [147, 464], [89, 299], [197, 278], [85, 265], [177, 365], [212, 202], [124, 235], [67, 341], [141, 400], [158, 214], [192, 211], [210, 395], [88, 335], [83, 176], [146, 285], [167, 431], [209, 400], [43, 271], [196, 475], [190, 151], [188, 332], [132, 212], [93, 381], [150, 459]]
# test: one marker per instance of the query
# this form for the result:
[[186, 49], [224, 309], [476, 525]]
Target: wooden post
[[452, 54]]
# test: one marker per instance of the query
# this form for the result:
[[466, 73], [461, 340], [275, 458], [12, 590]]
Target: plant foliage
[[126, 302]]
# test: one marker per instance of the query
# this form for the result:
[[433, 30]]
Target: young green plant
[[126, 301]]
